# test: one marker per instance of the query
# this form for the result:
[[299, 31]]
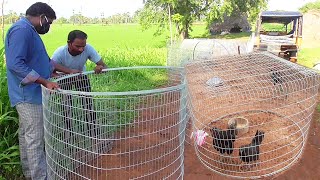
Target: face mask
[[44, 27]]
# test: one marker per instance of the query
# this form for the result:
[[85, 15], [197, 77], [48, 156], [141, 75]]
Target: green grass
[[104, 37], [9, 149], [278, 27], [308, 57], [200, 31], [239, 36]]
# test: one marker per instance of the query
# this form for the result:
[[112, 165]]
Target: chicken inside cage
[[258, 118]]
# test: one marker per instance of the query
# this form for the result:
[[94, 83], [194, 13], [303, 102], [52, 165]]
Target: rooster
[[250, 152], [223, 140], [277, 80]]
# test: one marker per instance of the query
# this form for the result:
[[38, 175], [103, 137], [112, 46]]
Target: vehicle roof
[[280, 16]]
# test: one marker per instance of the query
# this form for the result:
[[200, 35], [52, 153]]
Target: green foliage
[[310, 6], [9, 149], [152, 16], [183, 14], [219, 9], [309, 57], [105, 38], [277, 27]]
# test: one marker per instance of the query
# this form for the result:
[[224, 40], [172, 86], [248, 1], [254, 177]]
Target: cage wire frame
[[189, 50], [94, 132], [275, 100], [181, 52]]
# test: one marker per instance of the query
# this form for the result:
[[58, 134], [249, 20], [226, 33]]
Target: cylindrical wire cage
[[190, 50], [256, 110], [125, 123], [203, 49]]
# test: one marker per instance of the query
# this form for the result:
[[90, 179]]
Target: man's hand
[[51, 85], [65, 70], [48, 84], [98, 69], [55, 75]]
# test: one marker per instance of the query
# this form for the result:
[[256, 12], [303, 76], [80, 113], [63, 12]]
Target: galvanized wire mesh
[[188, 50], [270, 99], [94, 131]]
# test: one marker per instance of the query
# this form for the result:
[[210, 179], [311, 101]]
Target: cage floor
[[281, 146], [281, 111], [305, 168]]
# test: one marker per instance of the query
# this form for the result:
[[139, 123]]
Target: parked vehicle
[[279, 32]]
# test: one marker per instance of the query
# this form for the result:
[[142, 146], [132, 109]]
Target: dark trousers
[[79, 83]]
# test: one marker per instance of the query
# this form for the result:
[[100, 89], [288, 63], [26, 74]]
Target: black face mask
[[44, 27]]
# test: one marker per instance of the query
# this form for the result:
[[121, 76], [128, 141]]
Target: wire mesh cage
[[250, 113], [203, 49], [126, 123], [189, 50]]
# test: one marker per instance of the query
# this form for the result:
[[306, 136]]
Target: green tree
[[310, 6], [62, 20], [222, 8], [185, 12]]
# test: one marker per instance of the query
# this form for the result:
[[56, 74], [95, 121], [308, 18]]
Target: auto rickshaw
[[279, 32]]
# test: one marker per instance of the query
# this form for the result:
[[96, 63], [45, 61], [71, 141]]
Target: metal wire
[[190, 50], [203, 49], [94, 131], [272, 101]]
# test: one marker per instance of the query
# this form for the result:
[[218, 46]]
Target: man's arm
[[47, 84], [60, 68], [96, 58], [101, 63], [16, 54]]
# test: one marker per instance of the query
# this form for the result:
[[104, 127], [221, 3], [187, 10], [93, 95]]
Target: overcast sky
[[90, 8], [94, 8]]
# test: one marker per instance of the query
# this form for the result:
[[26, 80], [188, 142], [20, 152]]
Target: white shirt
[[63, 57]]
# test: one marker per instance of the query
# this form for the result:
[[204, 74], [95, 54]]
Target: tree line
[[180, 14], [311, 6], [176, 16], [78, 18]]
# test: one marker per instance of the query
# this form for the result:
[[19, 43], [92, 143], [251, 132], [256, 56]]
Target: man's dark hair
[[40, 8], [76, 34]]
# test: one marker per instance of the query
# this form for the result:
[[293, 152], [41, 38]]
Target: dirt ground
[[306, 168], [156, 134]]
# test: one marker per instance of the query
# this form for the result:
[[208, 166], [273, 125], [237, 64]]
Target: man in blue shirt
[[29, 67]]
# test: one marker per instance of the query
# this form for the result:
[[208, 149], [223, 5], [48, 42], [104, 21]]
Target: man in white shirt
[[75, 54]]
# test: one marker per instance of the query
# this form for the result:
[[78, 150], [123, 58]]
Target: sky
[[94, 8], [89, 8], [289, 5]]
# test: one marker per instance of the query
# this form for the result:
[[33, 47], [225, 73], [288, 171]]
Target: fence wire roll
[[125, 123], [250, 113]]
